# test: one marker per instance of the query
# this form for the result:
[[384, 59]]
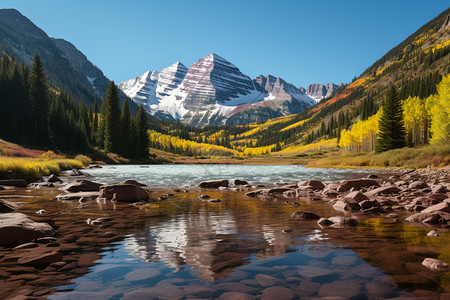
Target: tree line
[[35, 114]]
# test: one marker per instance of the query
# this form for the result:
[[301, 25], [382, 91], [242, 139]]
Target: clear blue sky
[[315, 41]]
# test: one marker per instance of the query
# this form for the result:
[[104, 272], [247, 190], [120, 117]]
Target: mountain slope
[[20, 37], [214, 91]]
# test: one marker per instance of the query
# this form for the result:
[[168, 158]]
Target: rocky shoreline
[[43, 246]]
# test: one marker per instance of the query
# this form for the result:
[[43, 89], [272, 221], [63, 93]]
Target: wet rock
[[78, 196], [356, 196], [366, 204], [304, 215], [213, 184], [133, 182], [39, 185], [314, 184], [159, 291], [41, 260], [87, 259], [324, 222], [236, 296], [432, 233], [76, 172], [199, 291], [346, 205], [276, 293], [235, 287], [438, 197], [45, 240], [278, 190], [340, 288], [82, 186], [123, 193], [443, 206], [142, 274], [372, 176], [359, 183], [334, 189], [240, 182], [53, 178], [340, 221], [439, 189], [290, 194], [391, 189], [17, 228], [418, 185], [70, 238], [344, 260], [27, 246], [435, 264], [429, 218], [215, 201], [14, 182], [8, 206], [307, 288], [266, 280], [204, 197]]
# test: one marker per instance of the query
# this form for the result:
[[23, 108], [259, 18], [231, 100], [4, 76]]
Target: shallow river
[[189, 249]]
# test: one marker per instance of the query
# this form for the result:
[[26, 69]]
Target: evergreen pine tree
[[125, 128], [141, 129], [111, 120], [38, 102], [392, 133]]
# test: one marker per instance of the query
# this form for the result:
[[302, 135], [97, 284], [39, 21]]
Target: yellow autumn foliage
[[361, 137], [313, 147]]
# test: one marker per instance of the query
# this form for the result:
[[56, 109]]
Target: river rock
[[346, 204], [132, 182], [213, 184], [255, 194], [304, 215], [324, 222], [437, 196], [142, 274], [14, 182], [276, 293], [435, 264], [314, 184], [236, 296], [438, 217], [123, 193], [53, 178], [77, 196], [439, 189], [356, 196], [17, 228], [391, 189], [432, 233], [204, 197], [8, 206], [39, 185], [366, 204], [82, 186], [41, 260], [359, 183], [334, 189], [240, 182], [443, 206], [340, 221], [418, 185]]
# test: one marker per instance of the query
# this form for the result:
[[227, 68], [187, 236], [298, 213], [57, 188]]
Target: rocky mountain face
[[319, 91], [214, 91], [21, 38], [81, 63]]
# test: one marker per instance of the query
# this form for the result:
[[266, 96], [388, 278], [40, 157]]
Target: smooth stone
[[304, 215], [235, 287], [199, 291], [17, 228], [142, 274], [266, 280], [123, 193], [41, 260], [435, 264], [277, 293], [211, 184], [340, 288], [236, 296], [432, 233], [82, 186]]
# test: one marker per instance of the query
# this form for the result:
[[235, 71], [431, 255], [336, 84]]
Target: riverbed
[[183, 247]]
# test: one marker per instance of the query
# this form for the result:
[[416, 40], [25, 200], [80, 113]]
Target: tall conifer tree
[[125, 129], [111, 119], [38, 101], [392, 133], [142, 127]]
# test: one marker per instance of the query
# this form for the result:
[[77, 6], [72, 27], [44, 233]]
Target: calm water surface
[[188, 248]]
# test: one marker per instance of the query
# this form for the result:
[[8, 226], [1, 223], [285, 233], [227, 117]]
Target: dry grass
[[434, 155]]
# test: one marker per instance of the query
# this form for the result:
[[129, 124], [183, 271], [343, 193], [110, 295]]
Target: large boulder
[[390, 189], [213, 184], [82, 186], [17, 228], [14, 182], [314, 184], [123, 193], [133, 182], [359, 183]]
